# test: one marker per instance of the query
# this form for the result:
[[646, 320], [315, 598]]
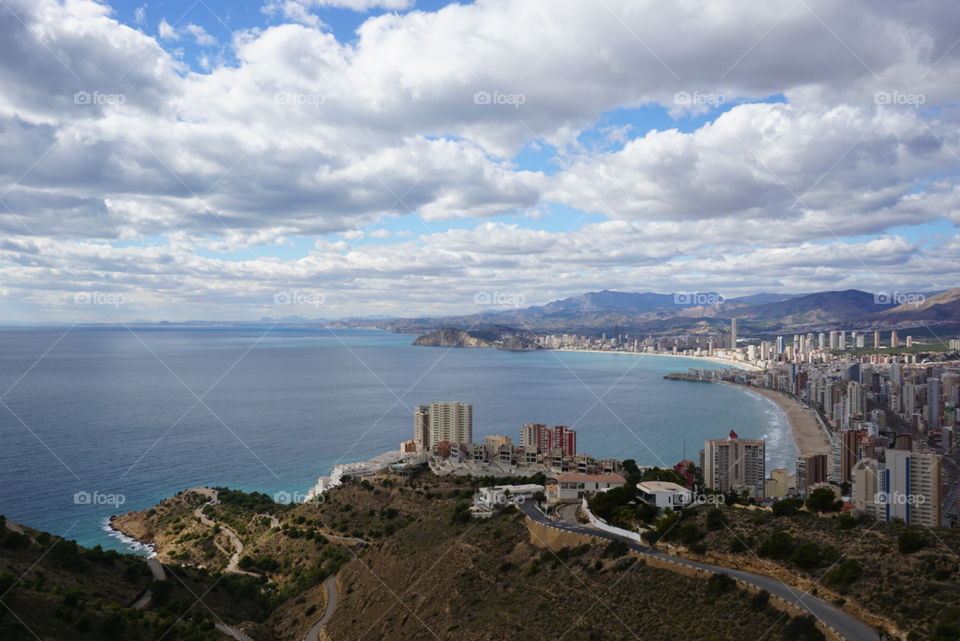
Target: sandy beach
[[712, 359], [804, 424]]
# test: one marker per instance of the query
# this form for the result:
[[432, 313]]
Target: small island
[[505, 338]]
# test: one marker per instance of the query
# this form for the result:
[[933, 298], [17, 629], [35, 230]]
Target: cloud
[[200, 35], [166, 31], [131, 168]]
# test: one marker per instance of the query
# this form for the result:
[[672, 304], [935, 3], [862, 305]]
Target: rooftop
[[603, 478], [661, 486]]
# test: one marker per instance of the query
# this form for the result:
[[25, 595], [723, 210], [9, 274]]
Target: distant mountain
[[944, 306], [763, 299], [609, 301], [822, 307]]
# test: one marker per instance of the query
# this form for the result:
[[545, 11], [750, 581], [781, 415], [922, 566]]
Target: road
[[159, 574], [846, 626], [233, 564], [332, 597]]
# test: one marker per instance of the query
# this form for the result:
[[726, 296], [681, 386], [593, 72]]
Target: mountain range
[[704, 312]]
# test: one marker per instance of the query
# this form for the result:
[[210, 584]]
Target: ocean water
[[97, 421]]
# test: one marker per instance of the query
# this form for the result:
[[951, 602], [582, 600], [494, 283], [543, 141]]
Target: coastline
[[804, 425], [712, 359]]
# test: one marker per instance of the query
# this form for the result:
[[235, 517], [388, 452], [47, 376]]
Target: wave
[[130, 544], [781, 450]]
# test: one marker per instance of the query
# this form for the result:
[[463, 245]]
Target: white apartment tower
[[734, 464]]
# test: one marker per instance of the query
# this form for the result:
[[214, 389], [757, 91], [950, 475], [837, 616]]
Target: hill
[[822, 307], [944, 306]]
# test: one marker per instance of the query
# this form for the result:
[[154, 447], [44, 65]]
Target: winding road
[[313, 634], [233, 564], [846, 626]]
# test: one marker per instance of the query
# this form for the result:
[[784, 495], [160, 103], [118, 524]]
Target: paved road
[[846, 626], [159, 574], [314, 632]]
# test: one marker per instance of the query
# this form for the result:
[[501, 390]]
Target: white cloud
[[167, 31], [304, 135], [200, 35]]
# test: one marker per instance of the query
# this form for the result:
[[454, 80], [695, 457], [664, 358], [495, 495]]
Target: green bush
[[778, 546]]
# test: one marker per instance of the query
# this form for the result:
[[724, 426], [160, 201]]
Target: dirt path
[[233, 564]]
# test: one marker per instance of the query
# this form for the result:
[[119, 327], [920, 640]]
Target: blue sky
[[214, 153]]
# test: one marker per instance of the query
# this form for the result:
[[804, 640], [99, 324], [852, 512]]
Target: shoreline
[[804, 424], [712, 359]]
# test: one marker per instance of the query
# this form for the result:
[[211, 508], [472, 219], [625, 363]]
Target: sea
[[101, 420]]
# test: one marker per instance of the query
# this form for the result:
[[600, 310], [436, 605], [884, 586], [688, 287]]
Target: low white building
[[573, 487], [500, 495], [664, 494]]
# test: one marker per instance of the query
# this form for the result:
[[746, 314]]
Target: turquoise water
[[115, 413]]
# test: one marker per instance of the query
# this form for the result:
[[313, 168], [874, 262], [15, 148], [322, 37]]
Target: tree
[[779, 545], [911, 541], [715, 519], [787, 507], [807, 555], [161, 590], [845, 573], [823, 500]]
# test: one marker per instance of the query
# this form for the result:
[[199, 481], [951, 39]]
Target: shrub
[[778, 546], [719, 584], [911, 541], [760, 601], [823, 500], [715, 519], [807, 555], [844, 574], [615, 549], [787, 507]]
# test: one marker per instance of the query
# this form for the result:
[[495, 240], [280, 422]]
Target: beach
[[804, 423], [712, 359]]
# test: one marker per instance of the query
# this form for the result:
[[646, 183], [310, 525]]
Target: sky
[[232, 160]]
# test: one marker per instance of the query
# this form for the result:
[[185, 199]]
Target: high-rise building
[[779, 345], [548, 439], [894, 339], [908, 488], [849, 442], [421, 427], [734, 464], [934, 404], [733, 333], [776, 485], [438, 422], [876, 338], [811, 470]]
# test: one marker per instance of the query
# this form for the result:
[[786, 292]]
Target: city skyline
[[413, 154]]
